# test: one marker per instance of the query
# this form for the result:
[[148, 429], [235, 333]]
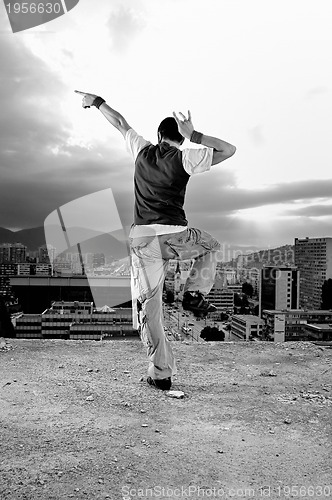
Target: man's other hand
[[185, 125]]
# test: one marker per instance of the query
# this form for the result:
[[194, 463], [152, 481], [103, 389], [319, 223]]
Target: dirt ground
[[78, 422]]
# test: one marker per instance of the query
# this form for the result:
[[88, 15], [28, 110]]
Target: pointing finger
[[183, 117], [189, 115], [79, 92]]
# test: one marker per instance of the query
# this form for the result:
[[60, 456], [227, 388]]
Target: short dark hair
[[168, 129]]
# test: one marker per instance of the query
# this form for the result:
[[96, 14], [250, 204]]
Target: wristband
[[98, 102], [196, 137]]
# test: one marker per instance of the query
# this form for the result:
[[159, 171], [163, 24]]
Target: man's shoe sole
[[198, 310]]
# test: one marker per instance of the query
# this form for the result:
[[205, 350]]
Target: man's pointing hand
[[87, 98]]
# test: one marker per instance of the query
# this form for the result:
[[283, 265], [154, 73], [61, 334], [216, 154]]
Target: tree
[[248, 289], [6, 326], [169, 297], [212, 333], [327, 294], [237, 300]]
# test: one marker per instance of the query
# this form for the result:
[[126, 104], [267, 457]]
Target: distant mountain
[[6, 235], [283, 255], [31, 238], [34, 238]]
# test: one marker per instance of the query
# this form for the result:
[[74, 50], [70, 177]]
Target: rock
[[175, 394], [287, 421], [145, 425], [220, 451], [90, 370], [90, 398], [143, 411], [270, 373]]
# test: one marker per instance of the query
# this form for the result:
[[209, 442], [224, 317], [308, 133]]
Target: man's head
[[168, 130]]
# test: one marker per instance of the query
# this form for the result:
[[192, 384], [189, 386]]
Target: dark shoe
[[195, 302], [164, 384]]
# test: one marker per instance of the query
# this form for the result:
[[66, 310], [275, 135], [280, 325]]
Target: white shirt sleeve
[[135, 143], [196, 161]]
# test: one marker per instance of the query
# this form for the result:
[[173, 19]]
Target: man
[[160, 231]]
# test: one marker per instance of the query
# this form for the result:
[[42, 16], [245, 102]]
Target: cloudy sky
[[257, 73]]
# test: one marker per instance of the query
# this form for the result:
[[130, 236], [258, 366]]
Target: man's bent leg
[[203, 273], [148, 273], [199, 245]]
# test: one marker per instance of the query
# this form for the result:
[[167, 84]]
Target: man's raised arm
[[114, 117], [221, 149]]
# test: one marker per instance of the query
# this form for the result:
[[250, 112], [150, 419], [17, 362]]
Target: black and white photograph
[[165, 249]]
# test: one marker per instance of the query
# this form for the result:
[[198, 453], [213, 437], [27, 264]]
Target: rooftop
[[77, 421]]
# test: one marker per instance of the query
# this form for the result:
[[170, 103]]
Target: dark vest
[[160, 185]]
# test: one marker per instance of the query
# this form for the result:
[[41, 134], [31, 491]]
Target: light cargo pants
[[149, 260]]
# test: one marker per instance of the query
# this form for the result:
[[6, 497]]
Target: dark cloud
[[215, 204], [124, 25], [228, 199], [39, 170], [317, 210]]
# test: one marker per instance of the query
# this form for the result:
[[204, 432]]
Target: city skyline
[[258, 80]]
